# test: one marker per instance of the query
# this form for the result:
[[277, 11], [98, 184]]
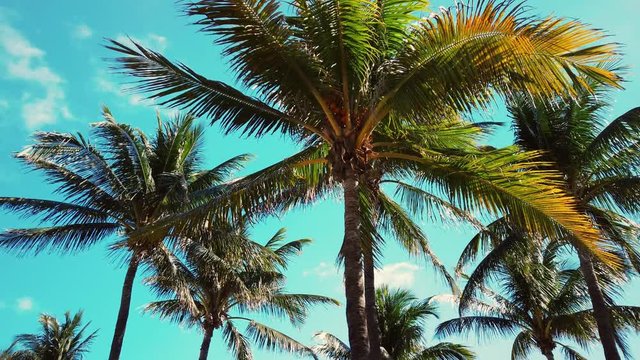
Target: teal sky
[[53, 77]]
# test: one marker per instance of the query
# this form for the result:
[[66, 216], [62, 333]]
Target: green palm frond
[[63, 238], [483, 242], [445, 351], [176, 85], [332, 347], [265, 58], [420, 202], [53, 211], [453, 56], [393, 220], [271, 339], [125, 147], [570, 353], [218, 174], [173, 310], [76, 187], [522, 346], [505, 181], [491, 326], [618, 136], [292, 306], [55, 340], [236, 342]]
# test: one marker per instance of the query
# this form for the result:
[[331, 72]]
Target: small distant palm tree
[[56, 341], [543, 302], [401, 317], [117, 186], [224, 277]]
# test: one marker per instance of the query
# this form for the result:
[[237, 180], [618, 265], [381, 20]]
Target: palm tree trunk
[[600, 309], [370, 303], [353, 273], [206, 342], [123, 313], [548, 354]]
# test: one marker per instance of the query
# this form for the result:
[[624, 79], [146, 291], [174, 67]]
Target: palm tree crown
[[599, 163], [112, 190], [543, 301], [224, 278], [401, 317], [56, 341]]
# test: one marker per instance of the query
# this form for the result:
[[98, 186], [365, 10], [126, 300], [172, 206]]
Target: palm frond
[[332, 347], [483, 325], [271, 339], [452, 60], [53, 211], [395, 221], [445, 351], [64, 238], [522, 346], [236, 342]]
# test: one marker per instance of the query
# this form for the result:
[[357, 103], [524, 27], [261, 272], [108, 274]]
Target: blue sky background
[[53, 77]]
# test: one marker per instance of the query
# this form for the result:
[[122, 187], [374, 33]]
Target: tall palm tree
[[55, 341], [114, 187], [330, 73], [542, 300], [601, 168], [401, 317], [225, 276]]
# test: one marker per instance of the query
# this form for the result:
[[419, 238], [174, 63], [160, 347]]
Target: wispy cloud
[[400, 275], [82, 31], [323, 270], [25, 62], [24, 304], [105, 84]]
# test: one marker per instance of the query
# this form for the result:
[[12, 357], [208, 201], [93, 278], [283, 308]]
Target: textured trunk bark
[[353, 274], [206, 342], [600, 308], [371, 308], [123, 313]]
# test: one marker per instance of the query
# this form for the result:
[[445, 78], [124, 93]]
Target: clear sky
[[53, 77]]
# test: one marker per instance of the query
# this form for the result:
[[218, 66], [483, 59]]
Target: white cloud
[[398, 275], [82, 31], [154, 41], [25, 304], [24, 61], [323, 270], [106, 85]]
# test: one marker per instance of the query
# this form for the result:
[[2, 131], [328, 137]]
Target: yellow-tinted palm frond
[[458, 58], [506, 181]]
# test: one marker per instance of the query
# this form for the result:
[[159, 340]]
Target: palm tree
[[331, 73], [225, 276], [543, 301], [600, 166], [56, 341], [116, 186], [401, 317]]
